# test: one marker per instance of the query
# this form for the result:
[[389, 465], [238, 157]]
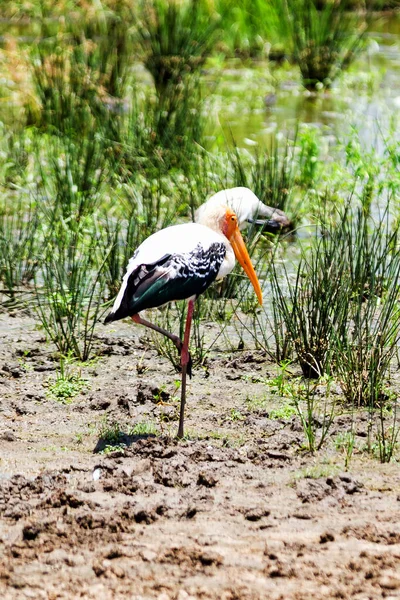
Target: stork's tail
[[109, 318]]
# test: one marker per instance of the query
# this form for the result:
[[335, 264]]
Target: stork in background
[[247, 207], [181, 262]]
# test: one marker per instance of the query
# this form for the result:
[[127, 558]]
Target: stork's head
[[248, 209], [223, 220]]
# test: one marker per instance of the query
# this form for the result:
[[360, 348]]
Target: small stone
[[326, 537], [255, 514], [389, 582], [148, 555], [206, 479], [118, 571], [302, 515], [96, 474], [8, 436]]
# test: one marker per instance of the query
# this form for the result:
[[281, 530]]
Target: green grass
[[286, 411], [110, 431], [256, 403], [144, 428], [66, 386], [175, 39], [318, 471]]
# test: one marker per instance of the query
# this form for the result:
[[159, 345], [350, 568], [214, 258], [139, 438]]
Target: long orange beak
[[243, 257]]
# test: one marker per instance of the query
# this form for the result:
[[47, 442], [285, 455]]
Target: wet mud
[[238, 510]]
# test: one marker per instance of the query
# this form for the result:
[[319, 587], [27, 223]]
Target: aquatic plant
[[270, 173], [325, 36], [312, 302], [366, 348], [80, 66], [175, 39], [69, 289], [340, 304], [19, 243], [251, 27]]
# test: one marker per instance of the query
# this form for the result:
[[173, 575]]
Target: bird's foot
[[185, 357], [189, 366]]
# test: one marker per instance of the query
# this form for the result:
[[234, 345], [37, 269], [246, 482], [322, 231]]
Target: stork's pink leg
[[185, 357], [174, 338]]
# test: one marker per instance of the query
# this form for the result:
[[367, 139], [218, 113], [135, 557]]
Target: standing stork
[[247, 207], [181, 262]]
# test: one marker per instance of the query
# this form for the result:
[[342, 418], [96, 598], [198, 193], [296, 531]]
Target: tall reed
[[366, 348], [312, 302], [325, 36], [175, 38], [20, 227], [269, 173], [339, 304], [250, 27], [70, 289], [80, 65]]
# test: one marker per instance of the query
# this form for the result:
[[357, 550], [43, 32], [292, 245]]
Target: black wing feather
[[173, 277]]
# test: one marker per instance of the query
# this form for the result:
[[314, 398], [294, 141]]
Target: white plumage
[[247, 207], [181, 262], [179, 240]]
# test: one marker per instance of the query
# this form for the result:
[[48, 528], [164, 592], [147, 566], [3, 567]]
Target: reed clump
[[325, 37], [175, 39], [340, 305]]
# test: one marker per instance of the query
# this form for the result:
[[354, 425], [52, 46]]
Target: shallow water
[[256, 101]]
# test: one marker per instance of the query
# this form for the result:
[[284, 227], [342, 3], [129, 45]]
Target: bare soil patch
[[236, 511]]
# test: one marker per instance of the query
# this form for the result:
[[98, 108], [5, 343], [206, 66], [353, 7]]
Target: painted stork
[[181, 262], [247, 207]]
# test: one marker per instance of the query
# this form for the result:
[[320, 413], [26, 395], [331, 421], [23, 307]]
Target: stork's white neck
[[214, 218]]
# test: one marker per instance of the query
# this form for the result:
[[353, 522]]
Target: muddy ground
[[237, 511]]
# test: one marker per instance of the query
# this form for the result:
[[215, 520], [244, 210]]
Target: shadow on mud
[[124, 440]]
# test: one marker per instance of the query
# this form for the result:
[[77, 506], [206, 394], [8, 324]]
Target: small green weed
[[67, 385], [284, 412], [236, 415], [25, 365], [143, 428], [256, 402], [112, 448], [345, 443], [315, 411], [110, 432], [279, 384]]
